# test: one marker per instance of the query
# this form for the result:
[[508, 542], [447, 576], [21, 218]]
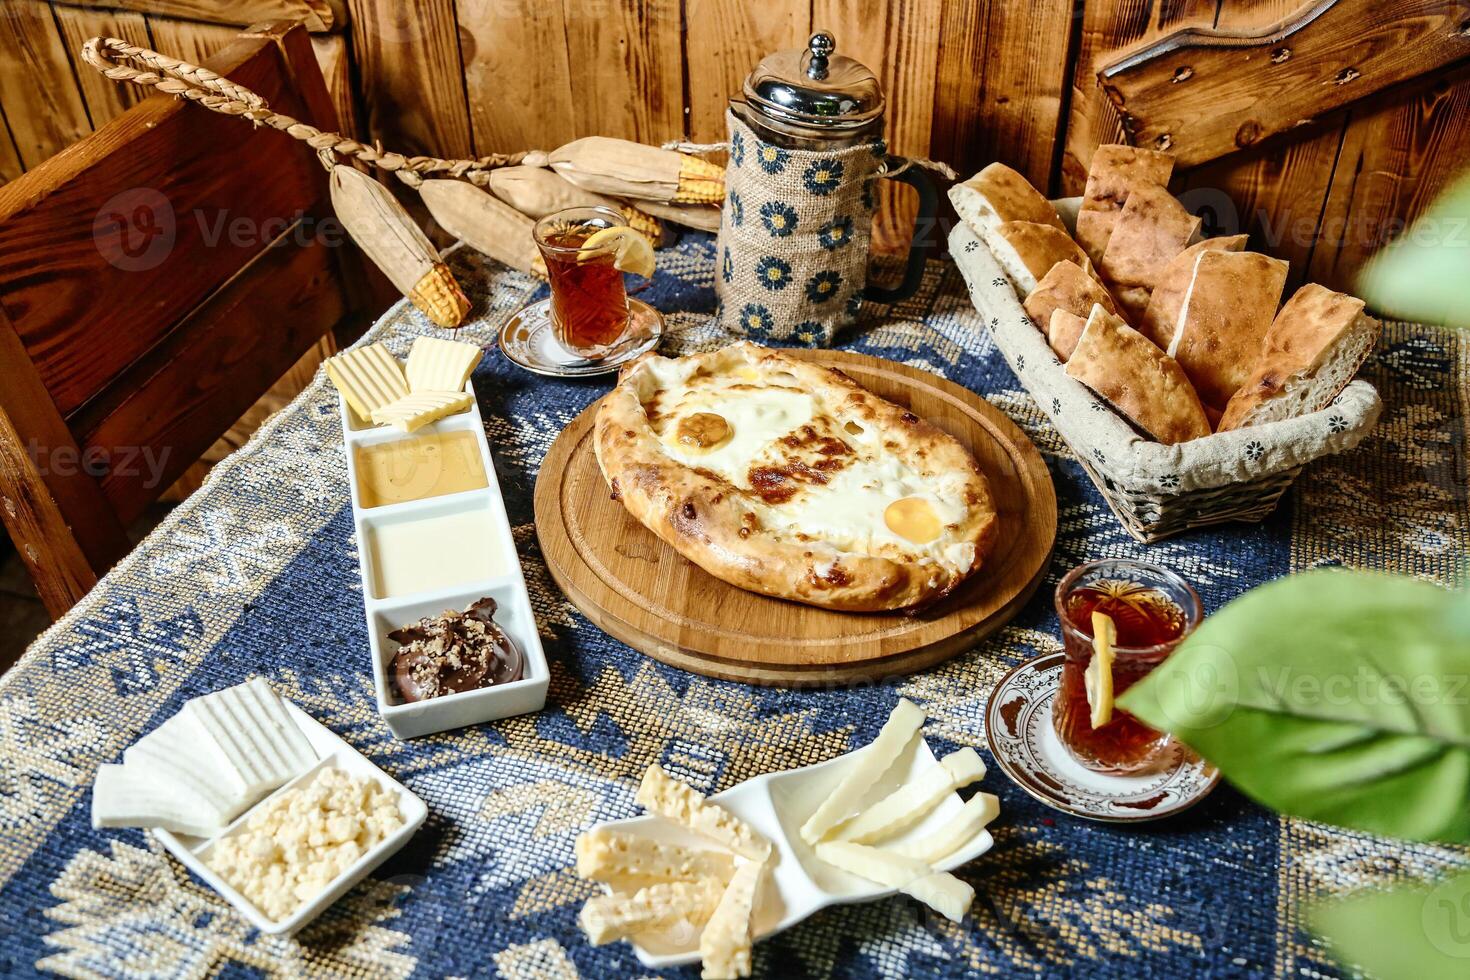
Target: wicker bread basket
[[1157, 490]]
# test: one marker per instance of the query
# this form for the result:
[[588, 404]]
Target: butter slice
[[875, 758], [724, 946], [662, 794], [420, 408], [610, 917], [435, 364], [942, 892], [906, 805], [369, 378], [249, 731]]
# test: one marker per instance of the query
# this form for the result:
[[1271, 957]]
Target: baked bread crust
[[735, 530]]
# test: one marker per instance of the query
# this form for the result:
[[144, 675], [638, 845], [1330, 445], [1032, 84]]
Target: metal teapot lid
[[813, 88]]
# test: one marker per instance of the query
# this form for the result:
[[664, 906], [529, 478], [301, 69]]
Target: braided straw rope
[[219, 94]]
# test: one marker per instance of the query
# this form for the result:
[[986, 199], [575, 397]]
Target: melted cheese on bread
[[810, 472]]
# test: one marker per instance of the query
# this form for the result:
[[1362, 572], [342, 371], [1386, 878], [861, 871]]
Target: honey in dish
[[1145, 619], [424, 466]]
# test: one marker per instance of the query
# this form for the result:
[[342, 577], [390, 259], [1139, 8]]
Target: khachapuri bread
[[792, 480]]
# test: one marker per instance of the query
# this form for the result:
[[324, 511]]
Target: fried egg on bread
[[789, 479]]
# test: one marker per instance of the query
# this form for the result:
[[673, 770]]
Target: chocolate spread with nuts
[[453, 652]]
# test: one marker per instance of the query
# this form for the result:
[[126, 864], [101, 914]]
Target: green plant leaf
[[1415, 932], [1334, 695], [1419, 275]]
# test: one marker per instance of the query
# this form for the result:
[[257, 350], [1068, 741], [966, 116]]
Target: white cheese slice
[[413, 412], [610, 917], [959, 831], [662, 794], [873, 760], [908, 804], [942, 892], [616, 857], [436, 364], [172, 754], [123, 796], [249, 731], [724, 946]]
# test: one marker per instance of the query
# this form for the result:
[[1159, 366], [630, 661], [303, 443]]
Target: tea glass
[[1124, 745], [589, 303]]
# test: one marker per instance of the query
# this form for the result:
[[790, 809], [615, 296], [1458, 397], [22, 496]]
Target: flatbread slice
[[1142, 382], [1314, 347], [999, 194], [1152, 228], [1132, 301], [1115, 170], [1027, 251], [1228, 308], [1161, 315], [1063, 331], [1067, 287]]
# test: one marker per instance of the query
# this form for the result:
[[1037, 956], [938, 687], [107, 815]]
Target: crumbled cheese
[[296, 844]]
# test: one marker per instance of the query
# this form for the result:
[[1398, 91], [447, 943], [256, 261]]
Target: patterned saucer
[[1018, 726], [528, 340]]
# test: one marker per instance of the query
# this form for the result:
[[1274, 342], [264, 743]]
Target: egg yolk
[[913, 519], [702, 430]]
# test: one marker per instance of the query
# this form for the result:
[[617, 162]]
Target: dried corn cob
[[651, 227], [538, 191], [385, 232], [483, 223], [704, 217], [622, 168]]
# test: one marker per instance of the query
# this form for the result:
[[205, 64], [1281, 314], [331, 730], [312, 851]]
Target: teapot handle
[[913, 273]]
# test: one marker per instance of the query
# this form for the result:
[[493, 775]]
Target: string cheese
[[909, 803], [872, 761], [959, 831], [436, 364], [724, 946], [610, 917], [662, 794], [942, 892], [615, 857]]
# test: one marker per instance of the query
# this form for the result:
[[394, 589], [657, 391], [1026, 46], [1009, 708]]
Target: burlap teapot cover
[[792, 256], [1114, 447]]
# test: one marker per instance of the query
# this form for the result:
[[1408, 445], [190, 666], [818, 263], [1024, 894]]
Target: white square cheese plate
[[798, 884], [330, 751], [487, 568]]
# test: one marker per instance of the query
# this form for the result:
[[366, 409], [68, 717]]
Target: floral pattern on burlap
[[794, 238]]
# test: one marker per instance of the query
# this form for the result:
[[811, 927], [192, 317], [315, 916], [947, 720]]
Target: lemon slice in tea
[[632, 251], [1099, 677]]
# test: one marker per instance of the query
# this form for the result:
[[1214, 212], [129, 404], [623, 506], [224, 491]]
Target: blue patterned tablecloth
[[257, 574]]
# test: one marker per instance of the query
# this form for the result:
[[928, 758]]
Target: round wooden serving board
[[629, 583]]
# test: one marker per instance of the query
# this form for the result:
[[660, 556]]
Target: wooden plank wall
[[968, 81]]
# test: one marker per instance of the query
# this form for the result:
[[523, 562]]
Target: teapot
[[806, 152]]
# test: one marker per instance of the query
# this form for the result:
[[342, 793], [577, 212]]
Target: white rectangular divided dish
[[470, 554], [330, 750], [797, 885]]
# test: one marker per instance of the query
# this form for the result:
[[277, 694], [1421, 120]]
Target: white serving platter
[[503, 581], [331, 751], [798, 884]]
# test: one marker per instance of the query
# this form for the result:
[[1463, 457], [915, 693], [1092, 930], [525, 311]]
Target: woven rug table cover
[[257, 574]]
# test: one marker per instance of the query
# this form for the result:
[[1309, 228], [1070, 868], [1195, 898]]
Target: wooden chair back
[[155, 279]]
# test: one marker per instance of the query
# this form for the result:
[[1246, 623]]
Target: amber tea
[[589, 303], [1152, 611]]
